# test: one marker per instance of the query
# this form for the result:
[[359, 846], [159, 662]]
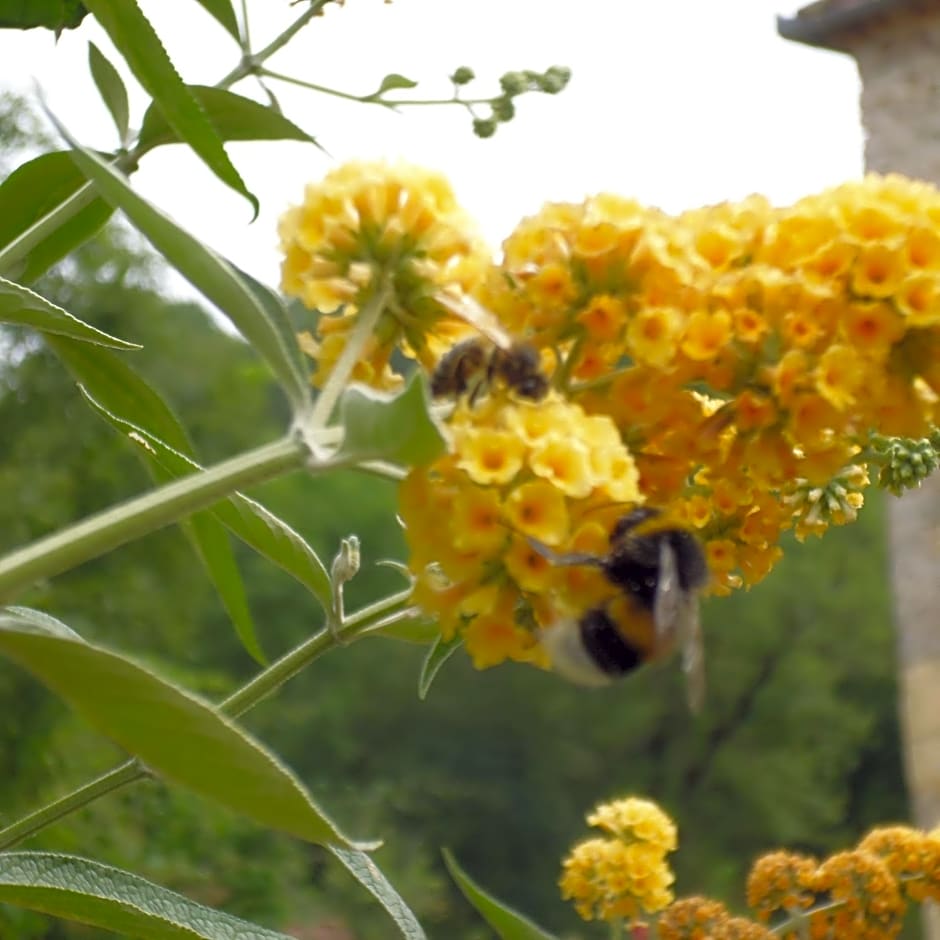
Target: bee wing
[[668, 602], [676, 617], [693, 653], [476, 315]]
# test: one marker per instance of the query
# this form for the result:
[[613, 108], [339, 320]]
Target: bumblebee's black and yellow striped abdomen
[[657, 570]]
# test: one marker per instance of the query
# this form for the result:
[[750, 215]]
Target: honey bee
[[658, 570], [475, 365]]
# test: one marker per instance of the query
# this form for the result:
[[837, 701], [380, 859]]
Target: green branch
[[373, 98], [107, 530], [113, 780], [250, 64]]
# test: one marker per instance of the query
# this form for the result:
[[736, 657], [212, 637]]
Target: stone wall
[[898, 56]]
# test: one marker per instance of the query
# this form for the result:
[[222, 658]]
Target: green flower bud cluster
[[513, 84], [905, 462]]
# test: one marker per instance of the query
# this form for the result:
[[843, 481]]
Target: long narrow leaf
[[440, 651], [368, 874], [81, 890], [246, 519], [111, 88], [43, 623], [53, 14], [276, 310], [22, 307], [111, 381], [223, 13], [134, 37], [508, 924], [214, 548], [234, 117], [30, 192], [202, 267], [177, 735]]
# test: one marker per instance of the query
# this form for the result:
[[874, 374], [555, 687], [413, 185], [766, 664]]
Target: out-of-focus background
[[675, 102]]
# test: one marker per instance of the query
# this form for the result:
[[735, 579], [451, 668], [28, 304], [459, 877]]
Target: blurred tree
[[797, 744]]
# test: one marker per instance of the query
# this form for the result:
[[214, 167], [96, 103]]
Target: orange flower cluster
[[856, 895], [697, 918], [806, 327]]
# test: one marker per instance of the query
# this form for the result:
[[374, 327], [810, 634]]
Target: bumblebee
[[474, 365], [658, 571]]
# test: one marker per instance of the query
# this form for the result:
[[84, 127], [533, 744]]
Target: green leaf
[[368, 874], [111, 88], [243, 517], [43, 623], [392, 81], [33, 190], [223, 12], [399, 429], [420, 629], [113, 383], [106, 378], [53, 14], [276, 310], [202, 267], [81, 890], [234, 116], [22, 307], [214, 548], [134, 37], [177, 735], [438, 654], [508, 924]]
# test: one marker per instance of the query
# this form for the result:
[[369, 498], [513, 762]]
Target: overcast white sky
[[675, 102]]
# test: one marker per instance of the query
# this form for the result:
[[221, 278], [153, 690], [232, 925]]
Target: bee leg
[[570, 559]]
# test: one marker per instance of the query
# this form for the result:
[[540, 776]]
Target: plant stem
[[366, 320], [359, 624], [272, 678], [311, 86], [113, 780], [250, 64], [407, 102], [245, 32], [373, 98], [107, 530]]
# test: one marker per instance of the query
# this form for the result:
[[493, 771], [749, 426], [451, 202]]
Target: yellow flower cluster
[[856, 895], [728, 364], [387, 234], [516, 470], [625, 873]]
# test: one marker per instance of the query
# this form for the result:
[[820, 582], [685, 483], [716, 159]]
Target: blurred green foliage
[[797, 745]]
